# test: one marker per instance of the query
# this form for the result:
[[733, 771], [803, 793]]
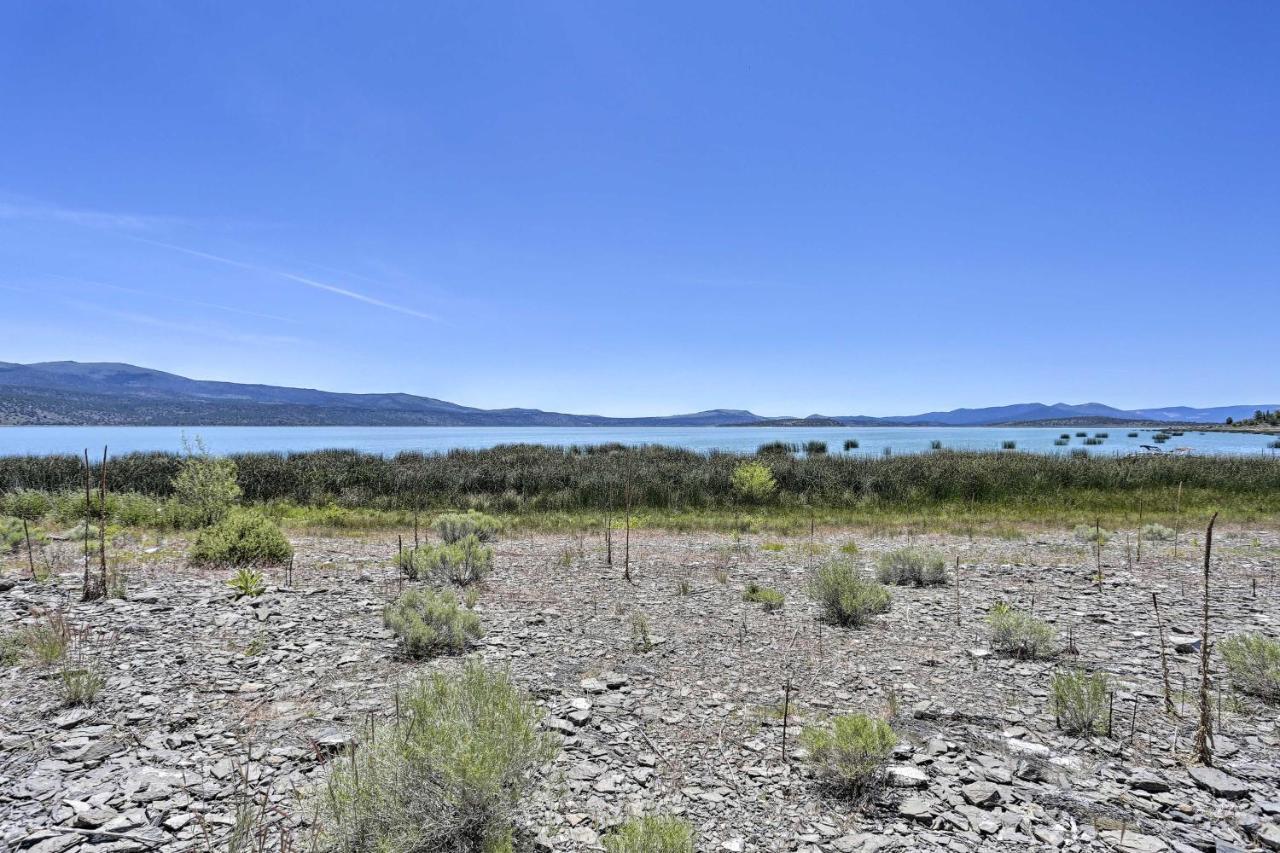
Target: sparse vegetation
[[1157, 532], [912, 567], [431, 623], [640, 639], [447, 774], [850, 753], [453, 527], [651, 834], [846, 597], [770, 599], [462, 563], [772, 546], [241, 538], [1079, 700], [1092, 534], [1253, 664], [815, 448], [1019, 634], [247, 582]]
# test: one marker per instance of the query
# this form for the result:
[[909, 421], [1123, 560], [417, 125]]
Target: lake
[[391, 440]]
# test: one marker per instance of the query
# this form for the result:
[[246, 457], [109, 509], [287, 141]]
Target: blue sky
[[647, 208]]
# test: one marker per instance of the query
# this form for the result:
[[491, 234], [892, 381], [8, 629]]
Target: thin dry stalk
[[1204, 732]]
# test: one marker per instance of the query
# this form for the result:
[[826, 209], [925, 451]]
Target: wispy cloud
[[11, 209], [204, 330], [178, 300], [294, 277]]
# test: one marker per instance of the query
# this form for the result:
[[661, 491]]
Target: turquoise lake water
[[391, 440]]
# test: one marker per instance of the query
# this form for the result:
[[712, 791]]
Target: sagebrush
[[912, 567], [651, 834], [431, 623], [846, 597], [849, 754]]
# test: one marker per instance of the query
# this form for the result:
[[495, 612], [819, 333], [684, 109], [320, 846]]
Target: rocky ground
[[209, 698]]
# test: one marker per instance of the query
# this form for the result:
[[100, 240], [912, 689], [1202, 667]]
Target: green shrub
[[846, 597], [1157, 532], [27, 504], [11, 534], [772, 546], [448, 775], [1092, 534], [247, 581], [651, 834], [849, 754], [455, 526], [1019, 634], [206, 485], [771, 599], [753, 482], [1079, 700], [431, 623], [242, 538], [462, 563], [1253, 662], [912, 567]]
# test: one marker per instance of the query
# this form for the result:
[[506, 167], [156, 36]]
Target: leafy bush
[[1253, 662], [850, 754], [1079, 700], [753, 482], [1019, 634], [248, 582], [431, 623], [27, 504], [1157, 532], [11, 535], [242, 538], [771, 599], [651, 834], [462, 563], [206, 485], [846, 597], [912, 567], [455, 526], [1092, 534], [448, 776]]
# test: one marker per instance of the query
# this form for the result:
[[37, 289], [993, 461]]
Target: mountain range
[[69, 392]]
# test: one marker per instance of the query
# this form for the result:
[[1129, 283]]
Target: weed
[[247, 582], [815, 448], [770, 599], [1079, 700], [447, 774], [1092, 534], [46, 641], [455, 526], [849, 755], [1253, 662], [721, 575], [849, 548], [1019, 634], [912, 567], [430, 623], [683, 587], [1157, 532], [640, 639], [772, 546], [847, 598], [651, 834]]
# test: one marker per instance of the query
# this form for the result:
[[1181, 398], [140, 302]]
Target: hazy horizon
[[878, 209]]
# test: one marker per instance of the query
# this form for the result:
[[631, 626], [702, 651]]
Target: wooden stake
[[1204, 732]]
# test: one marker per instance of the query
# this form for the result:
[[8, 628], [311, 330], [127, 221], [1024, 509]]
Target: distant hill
[[69, 392]]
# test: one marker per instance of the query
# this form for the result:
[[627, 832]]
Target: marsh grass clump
[[1133, 435], [777, 448], [651, 834], [241, 538], [1061, 442], [1253, 663], [247, 582], [770, 599], [846, 597], [1079, 700], [912, 567], [1102, 435], [850, 444], [1008, 445], [447, 775], [1066, 436], [815, 448], [1274, 445], [935, 445], [1019, 634], [1157, 532], [1079, 453], [430, 623], [1092, 535], [455, 526], [850, 753], [1093, 441], [1082, 435]]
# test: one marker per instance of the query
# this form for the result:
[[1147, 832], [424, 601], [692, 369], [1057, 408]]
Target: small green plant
[[471, 597], [1253, 663], [1019, 634], [651, 834], [12, 648], [849, 755], [772, 546], [912, 567], [241, 538], [566, 557], [455, 526], [849, 548], [770, 599], [431, 623], [448, 774], [205, 485], [721, 575], [640, 639], [1156, 532], [1079, 700], [247, 582], [683, 587], [81, 682], [46, 641], [461, 563], [1093, 535], [846, 597], [753, 482]]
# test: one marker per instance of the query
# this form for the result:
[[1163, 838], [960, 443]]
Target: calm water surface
[[391, 440]]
